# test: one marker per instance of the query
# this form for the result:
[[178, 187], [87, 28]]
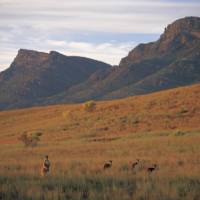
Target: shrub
[[37, 134], [184, 110], [89, 106], [135, 121], [179, 133], [30, 140]]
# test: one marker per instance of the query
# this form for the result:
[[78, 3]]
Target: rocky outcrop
[[36, 78], [36, 75]]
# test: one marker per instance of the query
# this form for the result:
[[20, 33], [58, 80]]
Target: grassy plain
[[162, 128]]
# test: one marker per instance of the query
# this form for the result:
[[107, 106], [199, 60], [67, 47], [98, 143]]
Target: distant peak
[[177, 35], [29, 52], [22, 51], [55, 53], [26, 56], [187, 24]]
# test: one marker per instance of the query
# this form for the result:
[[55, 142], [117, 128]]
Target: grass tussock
[[99, 187]]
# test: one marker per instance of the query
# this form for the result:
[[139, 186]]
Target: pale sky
[[105, 30]]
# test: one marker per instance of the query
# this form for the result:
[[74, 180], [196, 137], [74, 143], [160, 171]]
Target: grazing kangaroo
[[107, 165], [135, 163], [151, 169]]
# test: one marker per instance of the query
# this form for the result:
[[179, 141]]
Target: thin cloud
[[60, 25], [97, 15]]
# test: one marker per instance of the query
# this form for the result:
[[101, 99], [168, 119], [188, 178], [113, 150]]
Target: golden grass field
[[162, 128]]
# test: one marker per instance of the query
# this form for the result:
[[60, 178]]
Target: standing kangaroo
[[46, 166]]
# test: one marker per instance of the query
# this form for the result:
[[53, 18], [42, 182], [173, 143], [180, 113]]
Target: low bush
[[179, 133], [89, 106], [30, 140]]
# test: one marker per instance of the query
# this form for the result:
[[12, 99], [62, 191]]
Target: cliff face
[[34, 75], [171, 61], [177, 36], [36, 78]]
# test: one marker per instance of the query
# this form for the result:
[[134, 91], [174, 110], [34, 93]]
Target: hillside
[[161, 128], [36, 78], [36, 75], [170, 62], [163, 111]]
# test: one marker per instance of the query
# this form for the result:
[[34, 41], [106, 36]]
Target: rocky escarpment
[[169, 62], [177, 36], [36, 78], [36, 75]]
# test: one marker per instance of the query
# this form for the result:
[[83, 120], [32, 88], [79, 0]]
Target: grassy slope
[[162, 127], [172, 109]]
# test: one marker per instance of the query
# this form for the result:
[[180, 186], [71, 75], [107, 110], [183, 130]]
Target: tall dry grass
[[77, 168], [162, 128]]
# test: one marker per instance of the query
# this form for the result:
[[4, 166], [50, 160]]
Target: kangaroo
[[135, 164], [151, 169], [45, 167], [107, 165]]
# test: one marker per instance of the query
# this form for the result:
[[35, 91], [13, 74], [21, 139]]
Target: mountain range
[[37, 78]]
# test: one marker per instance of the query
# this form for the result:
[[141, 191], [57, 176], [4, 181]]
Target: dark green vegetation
[[99, 187], [36, 78]]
